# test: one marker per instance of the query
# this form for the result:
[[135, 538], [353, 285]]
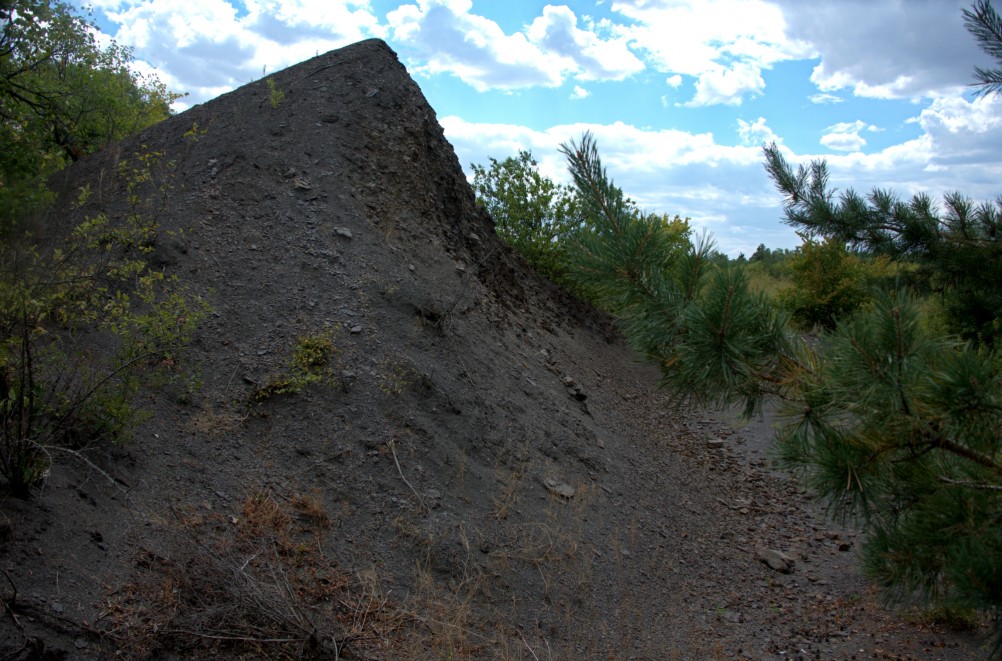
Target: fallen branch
[[112, 480]]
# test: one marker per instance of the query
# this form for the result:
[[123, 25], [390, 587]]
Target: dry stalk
[[392, 445], [527, 645]]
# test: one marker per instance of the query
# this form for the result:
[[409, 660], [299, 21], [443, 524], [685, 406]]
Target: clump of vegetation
[[532, 214], [548, 224], [311, 362], [395, 377], [275, 95], [84, 321], [62, 96], [256, 585], [828, 283]]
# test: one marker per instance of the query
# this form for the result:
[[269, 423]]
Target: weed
[[311, 507], [212, 422], [194, 134], [958, 619], [311, 362], [395, 377], [512, 479], [257, 585], [275, 95]]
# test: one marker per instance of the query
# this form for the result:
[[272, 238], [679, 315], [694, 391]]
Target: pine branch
[[592, 181], [980, 459], [985, 24]]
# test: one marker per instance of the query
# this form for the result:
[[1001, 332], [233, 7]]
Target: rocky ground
[[483, 469]]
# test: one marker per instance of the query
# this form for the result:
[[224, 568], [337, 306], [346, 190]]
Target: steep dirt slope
[[483, 471]]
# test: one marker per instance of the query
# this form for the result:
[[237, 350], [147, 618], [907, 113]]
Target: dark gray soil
[[487, 472]]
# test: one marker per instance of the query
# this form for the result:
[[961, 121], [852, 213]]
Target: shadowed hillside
[[403, 443]]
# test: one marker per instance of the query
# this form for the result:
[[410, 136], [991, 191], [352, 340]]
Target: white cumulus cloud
[[823, 98], [845, 136], [206, 48], [724, 44], [727, 85], [445, 36], [756, 133], [886, 48]]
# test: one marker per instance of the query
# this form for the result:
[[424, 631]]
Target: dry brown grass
[[211, 421], [259, 584], [254, 586]]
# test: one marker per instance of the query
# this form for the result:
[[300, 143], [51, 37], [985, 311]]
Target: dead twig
[[8, 604], [112, 480], [467, 278], [527, 645], [392, 447]]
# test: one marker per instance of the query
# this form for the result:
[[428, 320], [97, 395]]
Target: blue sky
[[680, 94]]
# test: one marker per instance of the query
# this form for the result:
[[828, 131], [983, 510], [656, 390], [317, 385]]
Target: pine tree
[[888, 423], [716, 341], [984, 23], [957, 250]]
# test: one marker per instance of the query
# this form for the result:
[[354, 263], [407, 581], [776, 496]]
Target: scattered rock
[[343, 231], [732, 616], [781, 562], [715, 443], [576, 391], [558, 487]]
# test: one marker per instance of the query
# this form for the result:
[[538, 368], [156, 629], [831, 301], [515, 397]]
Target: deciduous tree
[[62, 95], [533, 214]]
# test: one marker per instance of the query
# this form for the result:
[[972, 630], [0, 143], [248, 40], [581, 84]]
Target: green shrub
[[532, 214], [827, 283], [84, 322]]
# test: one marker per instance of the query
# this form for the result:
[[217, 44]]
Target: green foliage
[[83, 323], [606, 258], [674, 304], [311, 362], [275, 95], [982, 21], [957, 250], [827, 283], [533, 214], [769, 265], [61, 96], [886, 419], [894, 420], [901, 426]]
